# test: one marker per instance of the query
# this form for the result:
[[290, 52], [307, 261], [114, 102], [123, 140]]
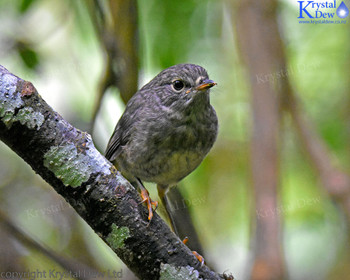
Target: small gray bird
[[166, 130]]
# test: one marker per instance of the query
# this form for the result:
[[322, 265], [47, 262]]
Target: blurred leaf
[[28, 55], [170, 30], [25, 5]]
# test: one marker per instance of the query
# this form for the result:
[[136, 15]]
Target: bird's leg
[[162, 193], [162, 190], [146, 198]]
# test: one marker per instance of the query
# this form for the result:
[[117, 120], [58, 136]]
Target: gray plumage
[[166, 130]]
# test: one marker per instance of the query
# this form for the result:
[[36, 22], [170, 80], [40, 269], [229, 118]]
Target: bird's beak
[[205, 85]]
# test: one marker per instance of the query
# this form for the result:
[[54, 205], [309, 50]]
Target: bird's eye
[[178, 85]]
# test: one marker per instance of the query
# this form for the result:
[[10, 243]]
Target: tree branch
[[67, 263], [262, 51], [66, 158], [335, 181]]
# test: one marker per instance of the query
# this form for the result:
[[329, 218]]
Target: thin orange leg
[[146, 198], [149, 202]]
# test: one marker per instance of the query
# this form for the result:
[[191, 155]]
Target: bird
[[166, 130]]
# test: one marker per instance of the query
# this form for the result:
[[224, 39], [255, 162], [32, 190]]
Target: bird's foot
[[198, 256], [149, 202]]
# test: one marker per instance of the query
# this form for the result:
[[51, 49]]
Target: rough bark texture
[[66, 158]]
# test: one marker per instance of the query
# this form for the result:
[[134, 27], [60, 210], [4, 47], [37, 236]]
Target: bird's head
[[182, 84]]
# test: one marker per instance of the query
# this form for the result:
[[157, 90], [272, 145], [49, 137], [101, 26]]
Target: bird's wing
[[123, 129], [119, 137], [113, 147]]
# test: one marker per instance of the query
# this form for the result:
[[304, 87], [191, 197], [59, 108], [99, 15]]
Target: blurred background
[[270, 201]]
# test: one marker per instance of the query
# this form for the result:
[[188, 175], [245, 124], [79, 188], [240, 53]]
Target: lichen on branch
[[67, 159]]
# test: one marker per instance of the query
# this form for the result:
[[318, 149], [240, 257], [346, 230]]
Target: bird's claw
[[198, 256], [149, 202]]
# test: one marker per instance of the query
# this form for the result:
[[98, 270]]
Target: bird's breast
[[168, 149]]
